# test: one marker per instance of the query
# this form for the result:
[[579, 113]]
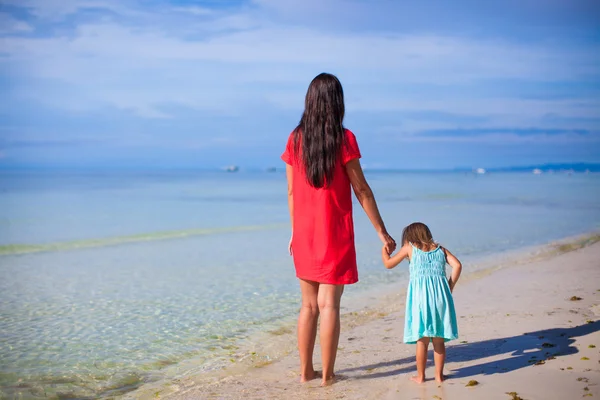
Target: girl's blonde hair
[[419, 235]]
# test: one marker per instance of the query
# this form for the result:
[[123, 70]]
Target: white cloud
[[224, 60], [10, 25], [413, 58], [506, 138], [195, 10], [57, 10]]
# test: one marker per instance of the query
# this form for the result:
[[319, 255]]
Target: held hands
[[388, 242], [451, 284], [290, 245]]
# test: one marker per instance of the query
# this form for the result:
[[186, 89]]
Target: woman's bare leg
[[329, 298], [307, 328]]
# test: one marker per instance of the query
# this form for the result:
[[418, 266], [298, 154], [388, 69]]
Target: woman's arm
[[365, 197], [390, 261], [456, 268], [289, 172]]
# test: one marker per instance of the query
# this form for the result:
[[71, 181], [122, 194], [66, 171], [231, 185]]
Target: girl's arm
[[456, 268], [391, 261], [289, 172], [365, 197]]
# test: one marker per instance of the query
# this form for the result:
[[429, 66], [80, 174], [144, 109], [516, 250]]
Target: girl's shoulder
[[408, 250], [444, 251]]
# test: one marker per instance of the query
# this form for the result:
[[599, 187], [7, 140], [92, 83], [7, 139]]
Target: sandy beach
[[528, 329]]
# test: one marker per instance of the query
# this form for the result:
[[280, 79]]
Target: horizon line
[[550, 166]]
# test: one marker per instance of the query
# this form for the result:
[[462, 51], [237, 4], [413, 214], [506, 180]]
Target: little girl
[[429, 306]]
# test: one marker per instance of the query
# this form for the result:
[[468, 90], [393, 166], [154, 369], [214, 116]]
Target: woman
[[322, 160]]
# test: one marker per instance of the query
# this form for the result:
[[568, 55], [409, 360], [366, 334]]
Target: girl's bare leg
[[439, 356], [422, 346], [307, 328], [329, 308]]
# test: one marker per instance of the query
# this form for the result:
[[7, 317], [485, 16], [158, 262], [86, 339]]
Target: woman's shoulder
[[349, 133], [291, 139], [350, 137], [350, 148]]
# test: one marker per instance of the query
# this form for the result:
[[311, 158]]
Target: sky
[[205, 84]]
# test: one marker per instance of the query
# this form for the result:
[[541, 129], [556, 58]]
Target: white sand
[[508, 319]]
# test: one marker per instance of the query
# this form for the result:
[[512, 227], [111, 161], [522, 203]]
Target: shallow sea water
[[107, 279]]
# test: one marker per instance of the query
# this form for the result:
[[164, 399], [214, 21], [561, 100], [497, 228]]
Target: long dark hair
[[321, 129]]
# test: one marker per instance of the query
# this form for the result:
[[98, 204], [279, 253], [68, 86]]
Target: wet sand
[[522, 331]]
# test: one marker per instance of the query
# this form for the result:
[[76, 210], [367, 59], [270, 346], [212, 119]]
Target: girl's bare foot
[[440, 379], [418, 379]]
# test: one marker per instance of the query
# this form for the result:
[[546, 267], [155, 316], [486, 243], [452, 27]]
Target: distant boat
[[271, 169], [480, 171], [537, 171], [232, 168]]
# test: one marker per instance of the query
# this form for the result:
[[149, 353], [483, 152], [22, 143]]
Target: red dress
[[323, 239]]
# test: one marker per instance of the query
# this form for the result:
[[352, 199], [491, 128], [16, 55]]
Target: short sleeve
[[350, 149], [287, 154]]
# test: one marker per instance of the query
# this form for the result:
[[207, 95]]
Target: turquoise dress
[[429, 305]]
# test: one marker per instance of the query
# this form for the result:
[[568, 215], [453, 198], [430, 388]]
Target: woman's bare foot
[[440, 379], [328, 381], [418, 379], [308, 377]]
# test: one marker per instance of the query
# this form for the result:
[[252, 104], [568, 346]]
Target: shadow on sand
[[517, 351]]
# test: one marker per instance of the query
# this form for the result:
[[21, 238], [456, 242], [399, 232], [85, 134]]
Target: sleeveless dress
[[429, 305], [323, 238]]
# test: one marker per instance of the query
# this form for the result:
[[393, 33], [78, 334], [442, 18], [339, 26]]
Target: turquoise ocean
[[108, 277]]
